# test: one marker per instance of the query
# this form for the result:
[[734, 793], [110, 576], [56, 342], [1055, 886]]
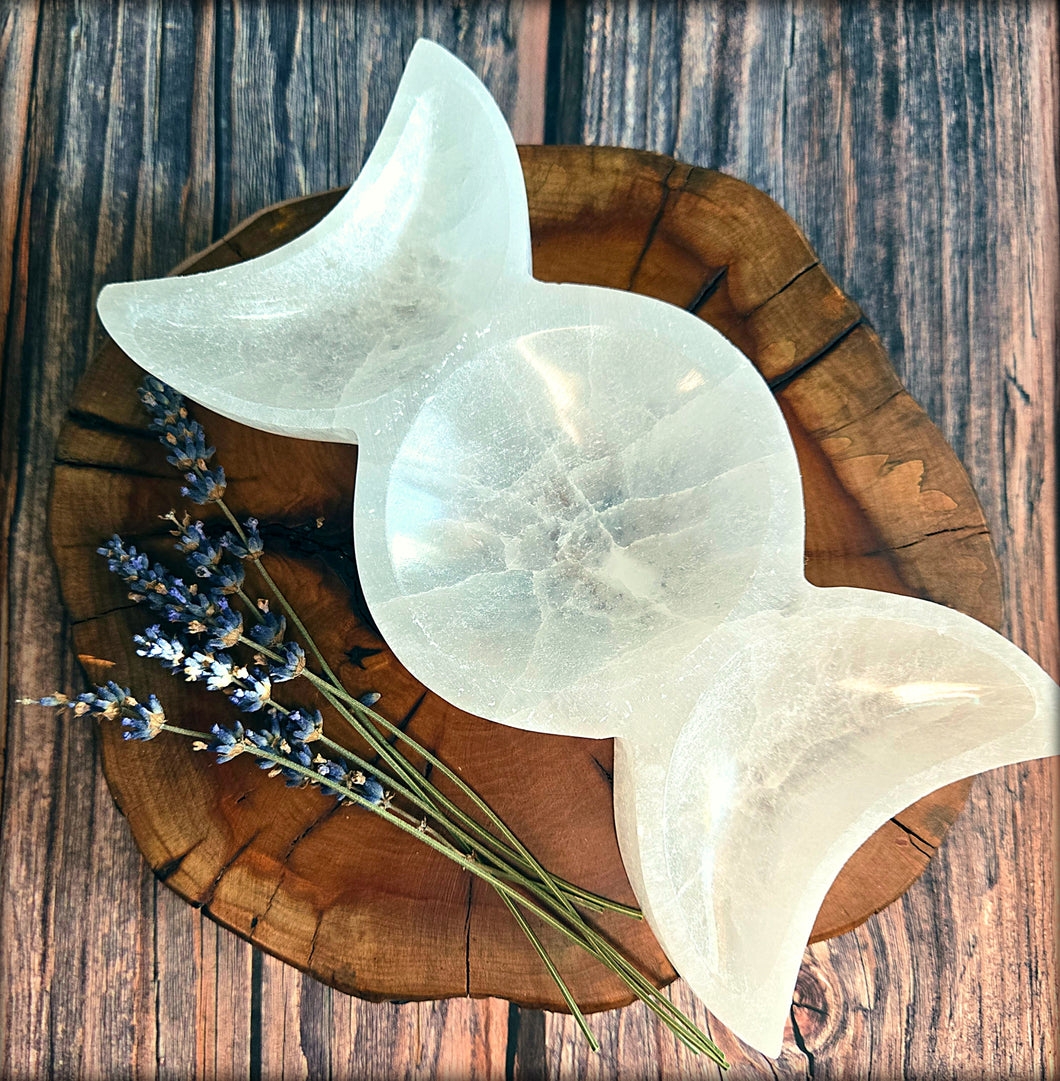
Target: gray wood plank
[[915, 145], [132, 135], [909, 143]]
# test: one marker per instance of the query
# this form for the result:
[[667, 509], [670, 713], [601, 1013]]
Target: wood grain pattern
[[256, 856], [914, 143], [146, 136]]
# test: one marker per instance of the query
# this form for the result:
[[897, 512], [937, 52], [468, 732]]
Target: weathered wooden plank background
[[915, 144]]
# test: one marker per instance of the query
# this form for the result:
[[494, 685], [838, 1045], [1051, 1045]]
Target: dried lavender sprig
[[185, 440], [208, 486], [278, 752], [250, 690], [204, 556], [112, 701], [187, 443], [223, 745], [224, 624], [644, 989]]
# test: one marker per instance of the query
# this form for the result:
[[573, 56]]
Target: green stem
[[331, 689], [564, 990], [291, 613], [250, 604], [499, 849], [167, 727], [427, 797], [581, 933]]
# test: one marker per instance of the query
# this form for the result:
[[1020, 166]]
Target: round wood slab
[[338, 892]]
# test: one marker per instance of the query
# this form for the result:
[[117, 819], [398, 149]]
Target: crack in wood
[[103, 614], [783, 289], [656, 221], [170, 867], [975, 530], [204, 902], [807, 1006], [800, 1043], [930, 848], [708, 289], [139, 537], [608, 776], [467, 934], [313, 941], [831, 433], [96, 422], [110, 467], [402, 726], [281, 878], [779, 382]]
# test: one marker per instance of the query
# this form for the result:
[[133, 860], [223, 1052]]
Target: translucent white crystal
[[579, 511]]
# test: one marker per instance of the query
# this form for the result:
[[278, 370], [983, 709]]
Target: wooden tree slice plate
[[334, 890]]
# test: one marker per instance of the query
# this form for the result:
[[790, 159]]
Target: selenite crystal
[[578, 511]]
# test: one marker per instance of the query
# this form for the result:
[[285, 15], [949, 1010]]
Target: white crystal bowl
[[579, 512]]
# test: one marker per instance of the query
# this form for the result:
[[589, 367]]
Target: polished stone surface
[[578, 511]]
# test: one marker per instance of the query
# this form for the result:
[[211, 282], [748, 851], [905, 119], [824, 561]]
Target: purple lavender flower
[[187, 442], [146, 721], [270, 631], [255, 695], [162, 402], [105, 701], [227, 743], [52, 700], [372, 790], [197, 667], [170, 650], [292, 665], [204, 555], [190, 535], [228, 578], [273, 738], [367, 788], [205, 558], [205, 487], [254, 545], [225, 625], [145, 583], [301, 755], [220, 672], [182, 437], [196, 607], [304, 725]]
